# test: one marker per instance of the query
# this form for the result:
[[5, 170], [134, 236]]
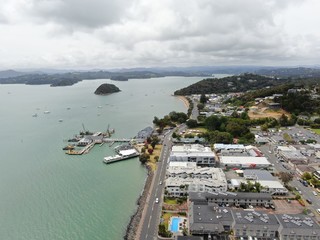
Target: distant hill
[[70, 78], [10, 73], [298, 72]]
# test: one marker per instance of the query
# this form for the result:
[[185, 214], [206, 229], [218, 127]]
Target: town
[[265, 189]]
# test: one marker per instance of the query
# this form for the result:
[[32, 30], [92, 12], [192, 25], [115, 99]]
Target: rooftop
[[244, 160]]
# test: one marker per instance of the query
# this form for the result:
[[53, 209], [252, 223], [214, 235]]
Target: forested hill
[[67, 79], [70, 78], [238, 83]]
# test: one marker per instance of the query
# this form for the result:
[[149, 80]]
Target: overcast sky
[[87, 34]]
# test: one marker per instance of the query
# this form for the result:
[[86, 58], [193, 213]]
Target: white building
[[184, 177], [197, 153], [244, 162], [269, 183]]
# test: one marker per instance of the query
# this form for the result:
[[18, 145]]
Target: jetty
[[86, 140]]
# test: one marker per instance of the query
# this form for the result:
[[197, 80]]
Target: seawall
[[141, 202]]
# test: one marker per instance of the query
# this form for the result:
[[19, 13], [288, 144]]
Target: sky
[[105, 34]]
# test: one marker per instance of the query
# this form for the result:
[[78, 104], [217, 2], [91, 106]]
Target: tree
[[144, 158], [285, 177], [154, 141], [283, 120], [203, 98], [200, 106], [191, 123], [306, 176], [163, 232]]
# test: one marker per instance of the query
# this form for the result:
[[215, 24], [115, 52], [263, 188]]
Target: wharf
[[86, 149], [110, 140]]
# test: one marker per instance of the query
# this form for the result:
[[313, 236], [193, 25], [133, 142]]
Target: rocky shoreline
[[136, 217]]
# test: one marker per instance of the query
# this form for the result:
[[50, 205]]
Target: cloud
[[125, 33], [79, 14]]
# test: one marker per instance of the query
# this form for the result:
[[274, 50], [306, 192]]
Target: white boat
[[35, 115], [124, 154], [46, 112]]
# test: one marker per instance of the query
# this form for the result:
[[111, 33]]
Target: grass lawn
[[170, 201], [166, 217], [317, 131], [156, 152], [203, 130]]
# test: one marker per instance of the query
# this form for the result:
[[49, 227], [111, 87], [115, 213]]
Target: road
[[153, 211], [306, 192], [195, 111]]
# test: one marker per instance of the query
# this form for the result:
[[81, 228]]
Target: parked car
[[315, 193], [309, 201], [157, 200]]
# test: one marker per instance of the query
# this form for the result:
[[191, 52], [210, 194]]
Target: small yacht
[[60, 120], [46, 112], [35, 115]]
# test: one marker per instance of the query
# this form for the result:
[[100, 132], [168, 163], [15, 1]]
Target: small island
[[106, 88]]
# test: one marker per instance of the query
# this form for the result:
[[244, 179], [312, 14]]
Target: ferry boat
[[122, 155]]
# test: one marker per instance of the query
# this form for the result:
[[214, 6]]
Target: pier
[[86, 149], [110, 140]]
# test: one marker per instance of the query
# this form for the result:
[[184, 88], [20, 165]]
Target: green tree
[[306, 176], [200, 106], [144, 158], [191, 123], [154, 141], [203, 98]]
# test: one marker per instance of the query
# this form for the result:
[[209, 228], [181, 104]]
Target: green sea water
[[48, 195]]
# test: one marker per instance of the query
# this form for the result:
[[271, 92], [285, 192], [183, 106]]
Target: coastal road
[[153, 211]]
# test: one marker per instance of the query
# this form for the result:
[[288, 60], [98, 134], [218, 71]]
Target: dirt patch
[[264, 112]]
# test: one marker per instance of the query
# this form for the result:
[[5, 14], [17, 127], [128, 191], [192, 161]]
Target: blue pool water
[[174, 227]]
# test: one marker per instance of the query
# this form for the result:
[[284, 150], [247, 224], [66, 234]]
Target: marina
[[86, 140]]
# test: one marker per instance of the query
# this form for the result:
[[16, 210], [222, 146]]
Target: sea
[[46, 194]]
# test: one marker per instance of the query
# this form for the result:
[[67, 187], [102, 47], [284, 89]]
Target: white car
[[318, 210], [315, 193], [157, 200]]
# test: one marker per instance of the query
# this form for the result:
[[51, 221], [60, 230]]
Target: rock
[[106, 88]]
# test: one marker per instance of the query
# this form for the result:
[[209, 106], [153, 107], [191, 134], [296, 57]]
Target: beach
[[184, 100]]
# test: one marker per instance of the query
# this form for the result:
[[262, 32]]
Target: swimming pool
[[174, 226]]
